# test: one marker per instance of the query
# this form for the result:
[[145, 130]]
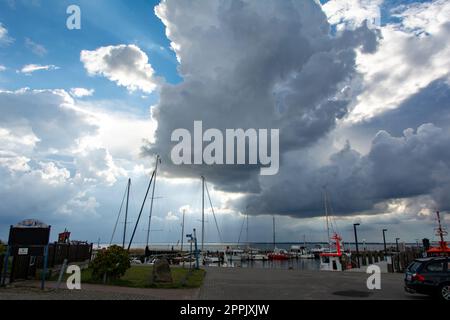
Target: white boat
[[135, 261], [300, 252], [319, 249], [307, 256], [259, 257], [150, 261], [210, 259], [236, 255]]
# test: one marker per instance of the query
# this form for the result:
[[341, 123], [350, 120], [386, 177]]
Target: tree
[[111, 263]]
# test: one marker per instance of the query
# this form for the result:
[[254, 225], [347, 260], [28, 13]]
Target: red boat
[[278, 254]]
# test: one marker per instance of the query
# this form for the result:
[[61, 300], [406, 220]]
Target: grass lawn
[[139, 277]]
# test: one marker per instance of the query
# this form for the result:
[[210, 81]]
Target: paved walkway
[[30, 291], [277, 284], [233, 284]]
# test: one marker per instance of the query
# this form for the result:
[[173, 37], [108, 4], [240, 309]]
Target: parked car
[[430, 276]]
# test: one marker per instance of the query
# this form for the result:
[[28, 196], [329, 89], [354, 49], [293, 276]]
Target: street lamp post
[[384, 241], [398, 254], [356, 243]]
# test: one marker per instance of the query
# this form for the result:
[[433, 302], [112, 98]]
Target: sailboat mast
[[248, 244], [126, 214], [151, 201], [274, 243], [203, 212], [182, 231]]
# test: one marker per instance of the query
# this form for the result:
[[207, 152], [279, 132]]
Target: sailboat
[[222, 259], [247, 254], [302, 252], [277, 254]]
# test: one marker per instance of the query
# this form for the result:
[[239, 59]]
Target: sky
[[358, 89]]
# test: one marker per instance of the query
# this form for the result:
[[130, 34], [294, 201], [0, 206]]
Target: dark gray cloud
[[413, 164], [251, 64], [429, 105]]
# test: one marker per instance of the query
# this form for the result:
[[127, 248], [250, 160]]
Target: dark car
[[430, 276]]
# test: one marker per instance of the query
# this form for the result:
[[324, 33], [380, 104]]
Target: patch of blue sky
[[104, 23]]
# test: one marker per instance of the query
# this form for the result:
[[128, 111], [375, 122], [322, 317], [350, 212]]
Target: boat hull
[[278, 257]]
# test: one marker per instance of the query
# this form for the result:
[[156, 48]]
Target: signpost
[[23, 251]]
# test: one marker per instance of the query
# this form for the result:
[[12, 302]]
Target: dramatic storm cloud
[[249, 64], [406, 166]]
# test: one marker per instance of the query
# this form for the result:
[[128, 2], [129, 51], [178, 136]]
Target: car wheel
[[444, 292]]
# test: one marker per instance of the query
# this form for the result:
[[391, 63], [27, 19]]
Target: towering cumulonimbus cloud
[[253, 64], [279, 64]]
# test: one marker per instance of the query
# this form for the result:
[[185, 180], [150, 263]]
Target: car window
[[413, 267], [435, 267], [448, 266]]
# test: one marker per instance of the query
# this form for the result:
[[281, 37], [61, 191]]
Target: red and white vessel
[[333, 260], [442, 249]]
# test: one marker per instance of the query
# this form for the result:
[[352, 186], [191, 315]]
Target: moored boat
[[278, 254], [334, 260]]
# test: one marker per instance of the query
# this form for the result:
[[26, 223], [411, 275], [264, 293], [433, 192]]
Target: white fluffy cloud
[[30, 68], [2, 68], [5, 39], [127, 65], [172, 217], [412, 54], [81, 92], [42, 155], [350, 14]]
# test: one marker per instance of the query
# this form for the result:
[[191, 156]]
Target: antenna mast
[[440, 231], [326, 215]]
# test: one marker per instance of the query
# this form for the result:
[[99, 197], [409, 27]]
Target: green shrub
[[112, 262], [2, 247]]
